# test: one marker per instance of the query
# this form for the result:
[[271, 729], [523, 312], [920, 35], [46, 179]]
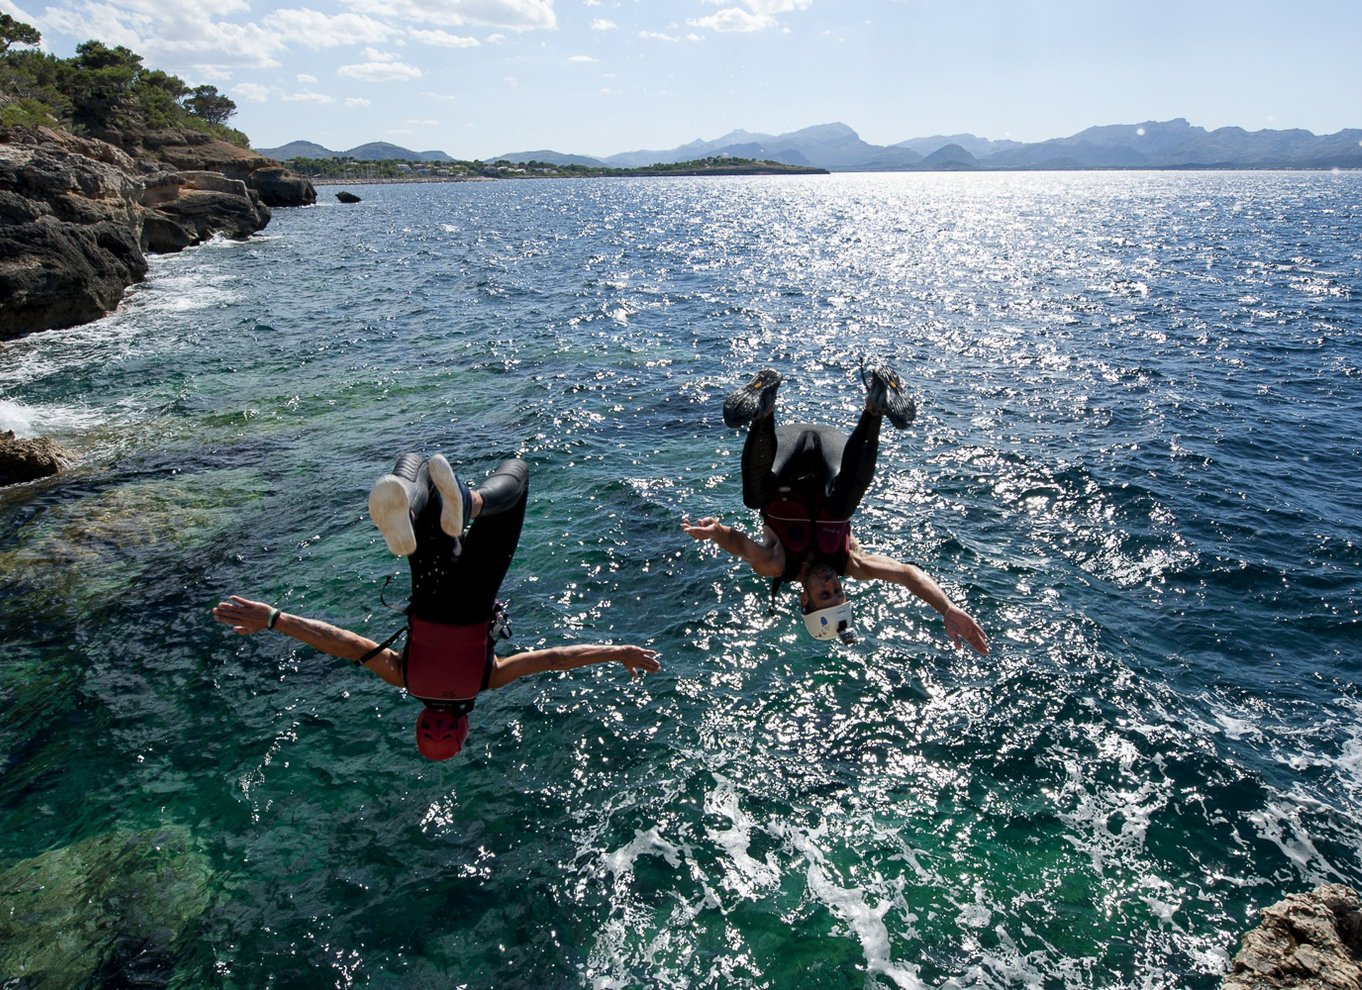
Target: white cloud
[[307, 96], [168, 36], [776, 6], [356, 101], [380, 71], [252, 92], [753, 15], [509, 15], [601, 24], [313, 29], [735, 19], [582, 58], [15, 11], [442, 39], [374, 55], [496, 39], [767, 7], [658, 36], [305, 79]]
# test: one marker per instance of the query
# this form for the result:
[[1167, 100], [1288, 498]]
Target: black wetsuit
[[821, 468], [460, 592], [463, 590]]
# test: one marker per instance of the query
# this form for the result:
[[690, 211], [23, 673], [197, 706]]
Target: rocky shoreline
[[1310, 941], [79, 215]]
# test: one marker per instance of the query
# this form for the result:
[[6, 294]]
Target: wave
[[34, 421]]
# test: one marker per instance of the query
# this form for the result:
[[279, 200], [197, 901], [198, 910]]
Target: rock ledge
[[1305, 942]]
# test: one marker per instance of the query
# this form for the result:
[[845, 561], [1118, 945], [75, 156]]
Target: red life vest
[[443, 664], [805, 529]]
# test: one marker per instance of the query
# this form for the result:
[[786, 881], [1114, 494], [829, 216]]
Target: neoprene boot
[[754, 400], [884, 394], [505, 487], [396, 499], [456, 502]]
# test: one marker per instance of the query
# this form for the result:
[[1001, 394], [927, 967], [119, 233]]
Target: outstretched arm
[[247, 617], [767, 559], [959, 625], [636, 659]]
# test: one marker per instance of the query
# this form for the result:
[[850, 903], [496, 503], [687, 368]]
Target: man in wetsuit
[[424, 513], [807, 482]]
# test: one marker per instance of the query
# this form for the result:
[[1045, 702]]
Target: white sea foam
[[849, 904], [749, 875], [1236, 728], [35, 421], [1350, 760], [621, 861], [17, 418], [1281, 824], [184, 292]]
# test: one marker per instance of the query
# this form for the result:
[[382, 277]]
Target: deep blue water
[[1135, 463]]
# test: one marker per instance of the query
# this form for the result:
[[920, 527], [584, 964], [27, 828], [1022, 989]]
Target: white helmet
[[831, 623]]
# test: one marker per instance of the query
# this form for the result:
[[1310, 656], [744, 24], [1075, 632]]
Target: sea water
[[1135, 463]]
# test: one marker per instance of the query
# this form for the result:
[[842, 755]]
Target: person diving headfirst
[[458, 541], [807, 481]]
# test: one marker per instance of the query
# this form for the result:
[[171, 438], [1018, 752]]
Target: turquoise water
[[1135, 464]]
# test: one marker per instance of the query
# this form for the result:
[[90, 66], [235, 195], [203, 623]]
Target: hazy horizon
[[478, 78]]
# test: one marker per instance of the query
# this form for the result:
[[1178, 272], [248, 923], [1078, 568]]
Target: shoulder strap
[[380, 647]]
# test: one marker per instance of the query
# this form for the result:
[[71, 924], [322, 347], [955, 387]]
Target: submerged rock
[[347, 197], [27, 460], [114, 904], [1306, 942]]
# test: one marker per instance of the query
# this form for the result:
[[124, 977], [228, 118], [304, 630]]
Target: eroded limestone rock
[[27, 460], [1305, 942]]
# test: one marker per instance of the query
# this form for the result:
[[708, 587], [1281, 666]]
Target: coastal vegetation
[[100, 89], [346, 169]]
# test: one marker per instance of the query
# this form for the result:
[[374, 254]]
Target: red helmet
[[440, 733]]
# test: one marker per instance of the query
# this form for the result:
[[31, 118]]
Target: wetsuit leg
[[463, 590], [851, 464], [759, 462], [503, 488]]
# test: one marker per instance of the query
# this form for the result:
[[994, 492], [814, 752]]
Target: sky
[[480, 78]]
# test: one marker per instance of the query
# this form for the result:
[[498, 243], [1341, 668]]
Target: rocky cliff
[[79, 214], [1306, 942]]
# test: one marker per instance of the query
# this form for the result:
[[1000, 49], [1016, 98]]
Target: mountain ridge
[[1175, 143]]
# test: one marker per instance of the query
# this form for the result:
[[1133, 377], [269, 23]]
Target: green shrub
[[26, 113]]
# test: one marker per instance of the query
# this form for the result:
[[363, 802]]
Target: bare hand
[[705, 529], [960, 626], [638, 660], [243, 615]]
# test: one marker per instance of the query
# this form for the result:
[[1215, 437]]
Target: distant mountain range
[[838, 148], [375, 151]]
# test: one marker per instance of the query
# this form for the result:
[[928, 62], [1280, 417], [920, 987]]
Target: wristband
[[274, 617]]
